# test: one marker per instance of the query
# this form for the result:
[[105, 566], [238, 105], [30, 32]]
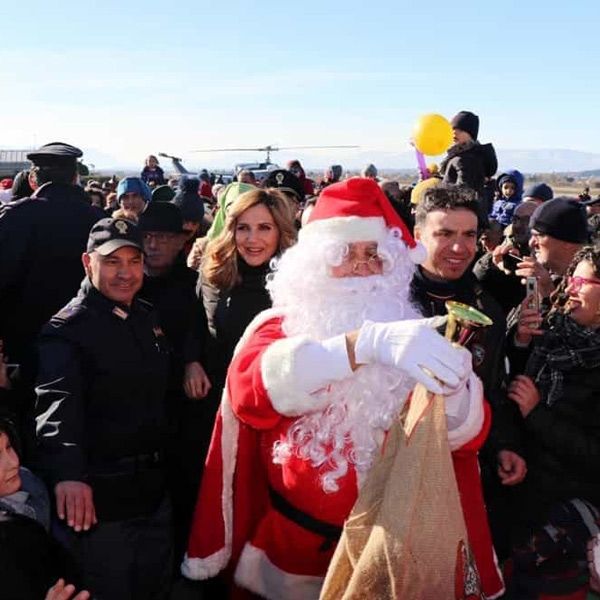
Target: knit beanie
[[163, 193], [134, 185], [561, 218], [466, 121], [539, 191], [192, 207]]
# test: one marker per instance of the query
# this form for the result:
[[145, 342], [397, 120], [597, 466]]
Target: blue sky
[[129, 78]]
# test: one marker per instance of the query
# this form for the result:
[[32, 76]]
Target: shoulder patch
[[67, 314]]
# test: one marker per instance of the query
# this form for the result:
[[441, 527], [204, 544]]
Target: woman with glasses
[[558, 397]]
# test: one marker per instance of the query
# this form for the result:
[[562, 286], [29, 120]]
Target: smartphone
[[532, 295], [510, 262]]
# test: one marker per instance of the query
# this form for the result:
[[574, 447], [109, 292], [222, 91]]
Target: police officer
[[100, 417], [41, 241]]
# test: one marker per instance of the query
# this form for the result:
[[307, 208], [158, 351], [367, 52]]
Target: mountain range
[[584, 164]]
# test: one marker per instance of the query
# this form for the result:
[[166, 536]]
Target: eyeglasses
[[374, 264], [160, 238], [575, 283]]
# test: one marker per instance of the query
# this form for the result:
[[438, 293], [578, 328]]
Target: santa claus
[[314, 385]]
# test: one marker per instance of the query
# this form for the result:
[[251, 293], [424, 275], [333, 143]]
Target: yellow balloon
[[416, 195], [432, 134]]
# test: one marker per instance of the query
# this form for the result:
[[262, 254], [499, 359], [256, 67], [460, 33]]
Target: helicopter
[[260, 169]]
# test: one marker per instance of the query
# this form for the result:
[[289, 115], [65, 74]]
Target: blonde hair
[[219, 266]]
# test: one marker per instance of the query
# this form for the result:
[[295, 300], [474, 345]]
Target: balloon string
[[423, 170], [425, 174]]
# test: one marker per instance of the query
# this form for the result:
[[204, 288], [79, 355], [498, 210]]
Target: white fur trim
[[347, 229], [474, 422], [418, 254], [258, 574], [204, 568], [278, 370]]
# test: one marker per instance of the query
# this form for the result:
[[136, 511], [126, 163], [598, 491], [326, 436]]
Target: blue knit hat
[[130, 185]]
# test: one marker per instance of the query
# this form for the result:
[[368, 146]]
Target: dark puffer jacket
[[563, 445]]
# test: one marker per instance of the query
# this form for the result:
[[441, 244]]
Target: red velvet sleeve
[[249, 399]]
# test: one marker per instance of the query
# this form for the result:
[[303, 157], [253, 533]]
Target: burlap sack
[[406, 538]]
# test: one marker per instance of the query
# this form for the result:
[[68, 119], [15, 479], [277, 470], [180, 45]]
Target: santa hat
[[357, 210]]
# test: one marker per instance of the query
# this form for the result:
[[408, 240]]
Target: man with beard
[[313, 388]]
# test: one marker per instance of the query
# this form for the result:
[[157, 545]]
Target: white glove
[[319, 363], [412, 346]]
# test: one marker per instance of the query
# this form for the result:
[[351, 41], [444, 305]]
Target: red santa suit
[[238, 526], [269, 524]]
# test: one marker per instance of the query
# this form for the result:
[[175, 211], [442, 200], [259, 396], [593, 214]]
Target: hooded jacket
[[504, 208], [307, 184]]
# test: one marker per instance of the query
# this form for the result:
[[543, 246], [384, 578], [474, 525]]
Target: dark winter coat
[[487, 348], [562, 445], [229, 312], [101, 402], [41, 243], [470, 167], [173, 296]]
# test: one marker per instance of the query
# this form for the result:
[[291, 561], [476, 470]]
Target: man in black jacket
[[446, 224], [41, 241], [100, 413], [171, 288]]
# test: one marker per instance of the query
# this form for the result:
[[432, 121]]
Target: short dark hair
[[63, 171], [443, 197]]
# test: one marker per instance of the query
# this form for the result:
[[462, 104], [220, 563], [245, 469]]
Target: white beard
[[363, 406]]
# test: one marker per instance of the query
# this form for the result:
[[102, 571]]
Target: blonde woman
[[259, 227]]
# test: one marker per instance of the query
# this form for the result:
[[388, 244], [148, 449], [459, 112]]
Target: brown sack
[[406, 537]]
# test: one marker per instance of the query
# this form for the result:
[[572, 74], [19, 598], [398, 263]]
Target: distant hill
[[583, 164]]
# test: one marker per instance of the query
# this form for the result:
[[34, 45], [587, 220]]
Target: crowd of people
[[197, 378]]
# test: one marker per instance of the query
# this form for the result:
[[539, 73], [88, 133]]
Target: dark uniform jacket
[[41, 242], [487, 348], [100, 408]]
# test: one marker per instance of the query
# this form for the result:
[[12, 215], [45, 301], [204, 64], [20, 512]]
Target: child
[[510, 186], [468, 162], [152, 173]]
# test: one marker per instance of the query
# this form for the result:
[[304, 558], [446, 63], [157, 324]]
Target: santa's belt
[[330, 532]]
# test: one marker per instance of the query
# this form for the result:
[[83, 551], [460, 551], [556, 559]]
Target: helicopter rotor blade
[[313, 147], [231, 150]]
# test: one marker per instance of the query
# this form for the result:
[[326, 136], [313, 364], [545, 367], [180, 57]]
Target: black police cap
[[286, 182], [53, 152], [108, 235]]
